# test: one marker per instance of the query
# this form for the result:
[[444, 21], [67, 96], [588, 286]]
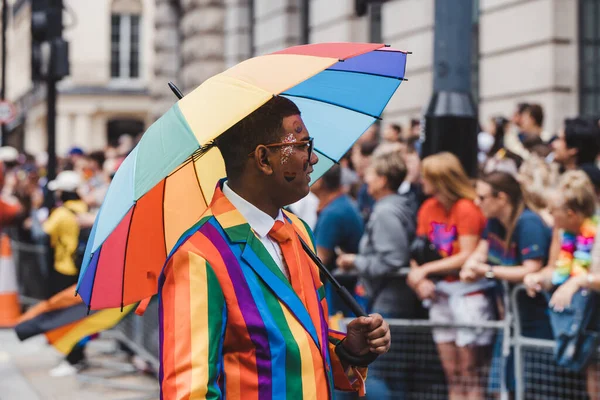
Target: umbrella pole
[[341, 291], [361, 361]]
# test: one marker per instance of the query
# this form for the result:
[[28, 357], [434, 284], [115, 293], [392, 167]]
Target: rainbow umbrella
[[162, 187]]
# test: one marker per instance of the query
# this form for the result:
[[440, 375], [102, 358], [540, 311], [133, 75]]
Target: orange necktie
[[284, 235], [301, 276]]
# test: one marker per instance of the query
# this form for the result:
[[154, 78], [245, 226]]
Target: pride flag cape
[[65, 321]]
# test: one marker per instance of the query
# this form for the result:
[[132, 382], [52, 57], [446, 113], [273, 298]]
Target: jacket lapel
[[256, 256]]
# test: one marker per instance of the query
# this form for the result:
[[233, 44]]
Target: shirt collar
[[259, 221]]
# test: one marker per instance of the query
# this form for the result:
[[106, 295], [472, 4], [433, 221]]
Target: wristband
[[351, 359]]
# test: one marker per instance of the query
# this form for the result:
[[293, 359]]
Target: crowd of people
[[57, 216], [530, 217]]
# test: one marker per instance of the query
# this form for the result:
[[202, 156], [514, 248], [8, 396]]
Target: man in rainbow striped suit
[[242, 308]]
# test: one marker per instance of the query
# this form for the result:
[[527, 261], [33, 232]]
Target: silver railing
[[413, 365]]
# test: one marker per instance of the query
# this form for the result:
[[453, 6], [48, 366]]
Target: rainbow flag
[[65, 321]]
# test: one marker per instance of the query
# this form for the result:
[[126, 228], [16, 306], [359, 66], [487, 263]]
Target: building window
[[589, 57], [125, 46]]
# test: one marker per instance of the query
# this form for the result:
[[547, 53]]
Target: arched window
[[125, 39]]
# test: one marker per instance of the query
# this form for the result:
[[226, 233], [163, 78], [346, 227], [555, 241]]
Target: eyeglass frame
[[299, 143]]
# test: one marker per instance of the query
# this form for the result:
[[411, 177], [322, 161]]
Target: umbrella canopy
[[161, 189]]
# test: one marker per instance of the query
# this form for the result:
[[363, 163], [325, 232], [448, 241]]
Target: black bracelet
[[355, 361]]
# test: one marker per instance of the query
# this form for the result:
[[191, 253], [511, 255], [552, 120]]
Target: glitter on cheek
[[287, 151]]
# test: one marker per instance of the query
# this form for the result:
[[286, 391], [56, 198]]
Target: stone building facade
[[528, 50], [107, 91]]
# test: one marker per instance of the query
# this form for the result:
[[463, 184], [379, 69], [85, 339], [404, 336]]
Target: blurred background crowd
[[437, 211], [374, 215]]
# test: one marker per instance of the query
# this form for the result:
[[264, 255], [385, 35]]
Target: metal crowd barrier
[[413, 365]]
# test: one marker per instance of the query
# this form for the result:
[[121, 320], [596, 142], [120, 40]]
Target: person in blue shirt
[[339, 229], [515, 242]]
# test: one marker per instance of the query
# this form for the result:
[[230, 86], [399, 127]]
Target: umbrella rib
[[94, 279], [332, 104], [163, 216], [366, 73], [125, 255], [326, 156], [184, 163], [199, 185]]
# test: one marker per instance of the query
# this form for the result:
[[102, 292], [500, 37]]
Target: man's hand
[[366, 334]]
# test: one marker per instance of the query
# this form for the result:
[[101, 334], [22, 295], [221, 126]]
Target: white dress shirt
[[260, 222]]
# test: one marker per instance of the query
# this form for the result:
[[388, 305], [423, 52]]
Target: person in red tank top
[[453, 224]]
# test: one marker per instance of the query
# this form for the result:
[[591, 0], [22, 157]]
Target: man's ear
[[261, 158]]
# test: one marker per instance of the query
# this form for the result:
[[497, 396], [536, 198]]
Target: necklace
[[575, 255]]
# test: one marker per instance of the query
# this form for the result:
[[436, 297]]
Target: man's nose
[[314, 158]]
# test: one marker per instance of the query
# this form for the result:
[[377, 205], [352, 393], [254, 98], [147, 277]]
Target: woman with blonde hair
[[537, 177], [573, 263], [452, 222]]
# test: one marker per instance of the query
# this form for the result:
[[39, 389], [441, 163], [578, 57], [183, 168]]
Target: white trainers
[[65, 369]]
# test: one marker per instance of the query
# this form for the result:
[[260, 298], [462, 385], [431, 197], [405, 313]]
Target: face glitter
[[287, 151]]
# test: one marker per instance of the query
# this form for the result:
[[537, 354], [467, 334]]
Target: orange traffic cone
[[10, 310]]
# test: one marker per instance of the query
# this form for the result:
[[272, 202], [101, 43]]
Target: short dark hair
[[583, 134], [521, 107], [396, 127], [98, 156], [367, 148], [332, 179], [262, 126], [537, 113]]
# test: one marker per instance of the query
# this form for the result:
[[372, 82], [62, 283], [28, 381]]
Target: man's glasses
[[305, 144]]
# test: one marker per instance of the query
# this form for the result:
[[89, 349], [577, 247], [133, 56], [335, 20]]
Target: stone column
[[237, 31], [82, 135], [202, 29], [167, 59], [64, 133], [276, 25], [408, 25], [529, 62], [99, 133]]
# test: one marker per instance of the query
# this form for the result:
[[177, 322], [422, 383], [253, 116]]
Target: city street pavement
[[24, 375]]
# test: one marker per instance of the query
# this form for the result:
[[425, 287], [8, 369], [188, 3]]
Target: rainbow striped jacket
[[232, 327]]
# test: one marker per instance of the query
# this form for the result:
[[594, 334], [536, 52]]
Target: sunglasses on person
[[305, 144]]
